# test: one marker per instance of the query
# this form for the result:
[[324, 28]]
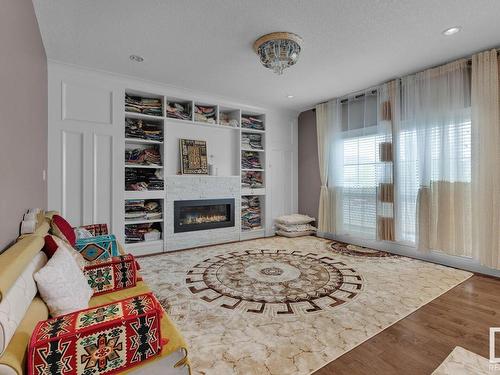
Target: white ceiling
[[207, 45]]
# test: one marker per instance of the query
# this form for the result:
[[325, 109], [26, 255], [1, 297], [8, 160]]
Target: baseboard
[[462, 263]]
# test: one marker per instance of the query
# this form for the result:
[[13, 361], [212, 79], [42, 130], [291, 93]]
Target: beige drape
[[444, 218], [323, 119], [486, 159]]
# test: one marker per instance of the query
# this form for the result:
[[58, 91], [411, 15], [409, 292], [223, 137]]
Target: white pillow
[[295, 219], [15, 303], [80, 260], [295, 227], [62, 284], [294, 234]]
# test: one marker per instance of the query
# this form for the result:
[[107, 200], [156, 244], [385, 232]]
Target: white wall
[[86, 145]]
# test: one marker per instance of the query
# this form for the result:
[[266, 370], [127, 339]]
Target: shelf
[[252, 149], [253, 191], [199, 175], [143, 116], [143, 166], [145, 194], [142, 141], [246, 130], [143, 221], [252, 170], [197, 123]]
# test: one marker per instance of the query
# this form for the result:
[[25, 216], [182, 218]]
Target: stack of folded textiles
[[147, 106], [251, 141], [205, 114], [249, 122], [140, 129], [250, 213], [143, 156], [250, 160], [251, 179], [295, 225], [226, 120], [140, 209], [141, 232], [179, 111], [143, 179]]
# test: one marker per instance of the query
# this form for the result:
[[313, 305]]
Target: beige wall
[[23, 116], [309, 180]]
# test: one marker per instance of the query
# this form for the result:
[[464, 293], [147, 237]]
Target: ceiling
[[207, 45]]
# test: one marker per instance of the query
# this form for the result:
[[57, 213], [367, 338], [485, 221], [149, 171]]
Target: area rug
[[464, 362], [286, 306]]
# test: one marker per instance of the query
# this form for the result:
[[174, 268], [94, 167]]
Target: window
[[362, 170], [450, 160]]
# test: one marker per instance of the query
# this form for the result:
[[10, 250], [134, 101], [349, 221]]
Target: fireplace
[[202, 214]]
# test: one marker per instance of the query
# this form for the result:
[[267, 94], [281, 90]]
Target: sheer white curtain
[[486, 158], [433, 175], [357, 171]]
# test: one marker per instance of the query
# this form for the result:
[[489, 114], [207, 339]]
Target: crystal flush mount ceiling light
[[278, 51]]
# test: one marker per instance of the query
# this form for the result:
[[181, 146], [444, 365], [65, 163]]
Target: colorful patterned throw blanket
[[106, 339]]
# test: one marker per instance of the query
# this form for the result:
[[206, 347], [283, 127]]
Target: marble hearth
[[190, 188]]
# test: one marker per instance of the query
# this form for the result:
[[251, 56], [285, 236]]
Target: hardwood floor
[[421, 341]]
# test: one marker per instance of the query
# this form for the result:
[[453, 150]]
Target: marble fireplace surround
[[201, 187]]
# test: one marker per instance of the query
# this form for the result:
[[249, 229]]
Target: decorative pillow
[[50, 246], [96, 229], [17, 300], [62, 229], [295, 227], [53, 243], [81, 232], [294, 234], [98, 248], [295, 219], [62, 285]]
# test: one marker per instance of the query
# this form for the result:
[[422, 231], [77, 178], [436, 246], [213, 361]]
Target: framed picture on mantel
[[193, 156]]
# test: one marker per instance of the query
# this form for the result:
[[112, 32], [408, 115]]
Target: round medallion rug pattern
[[359, 251], [278, 277]]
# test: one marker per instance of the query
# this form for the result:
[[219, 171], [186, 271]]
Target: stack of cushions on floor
[[294, 225], [66, 283]]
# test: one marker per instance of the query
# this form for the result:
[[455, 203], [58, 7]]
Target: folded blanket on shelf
[[205, 114], [140, 129], [251, 179], [137, 209], [147, 106], [251, 141], [250, 213], [179, 111], [250, 160], [144, 156], [137, 179], [250, 122]]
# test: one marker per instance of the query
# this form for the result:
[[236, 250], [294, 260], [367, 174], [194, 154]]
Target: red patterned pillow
[[50, 246], [62, 229]]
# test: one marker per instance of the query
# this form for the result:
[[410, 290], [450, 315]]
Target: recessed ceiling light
[[136, 58], [289, 96], [452, 30]]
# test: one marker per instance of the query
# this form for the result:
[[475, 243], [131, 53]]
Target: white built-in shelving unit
[[254, 193], [226, 119]]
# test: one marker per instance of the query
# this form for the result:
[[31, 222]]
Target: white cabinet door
[[84, 149]]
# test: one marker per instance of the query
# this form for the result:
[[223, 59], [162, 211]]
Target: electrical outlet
[[44, 175]]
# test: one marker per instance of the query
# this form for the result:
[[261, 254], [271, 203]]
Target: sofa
[[18, 290]]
